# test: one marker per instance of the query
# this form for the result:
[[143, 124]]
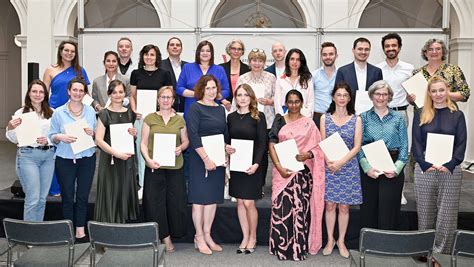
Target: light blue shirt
[[323, 87], [62, 117]]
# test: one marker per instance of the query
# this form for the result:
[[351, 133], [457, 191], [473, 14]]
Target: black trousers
[[164, 201], [381, 201]]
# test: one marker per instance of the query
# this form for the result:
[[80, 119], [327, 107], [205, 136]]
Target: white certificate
[[87, 100], [286, 152], [214, 146], [439, 148], [259, 91], [378, 156], [121, 139], [417, 85], [83, 141], [241, 160], [164, 147], [362, 102], [29, 129], [334, 147], [146, 101]]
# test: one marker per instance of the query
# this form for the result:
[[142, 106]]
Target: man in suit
[[173, 64], [359, 74], [124, 49], [278, 53]]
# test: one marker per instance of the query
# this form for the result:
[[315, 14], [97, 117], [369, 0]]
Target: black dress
[[117, 200], [202, 121], [243, 126]]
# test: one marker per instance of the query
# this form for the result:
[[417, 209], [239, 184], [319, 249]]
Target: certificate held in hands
[[417, 85], [378, 156], [241, 160], [83, 141], [146, 101], [164, 147], [214, 146], [286, 152], [29, 129], [439, 148], [121, 139], [334, 147]]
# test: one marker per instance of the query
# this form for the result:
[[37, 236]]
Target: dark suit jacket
[[272, 69], [347, 73], [179, 102], [244, 68]]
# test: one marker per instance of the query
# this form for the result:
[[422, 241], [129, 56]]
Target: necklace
[[149, 72], [75, 113], [241, 116]]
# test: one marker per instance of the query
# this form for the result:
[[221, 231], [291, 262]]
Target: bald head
[[278, 51]]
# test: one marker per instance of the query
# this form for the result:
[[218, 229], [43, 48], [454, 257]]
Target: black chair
[[51, 243], [135, 244], [392, 248], [462, 253]]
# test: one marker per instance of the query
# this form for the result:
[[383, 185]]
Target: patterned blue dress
[[343, 187]]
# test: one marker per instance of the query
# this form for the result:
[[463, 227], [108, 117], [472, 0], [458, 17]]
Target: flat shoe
[[328, 250], [344, 252], [240, 250]]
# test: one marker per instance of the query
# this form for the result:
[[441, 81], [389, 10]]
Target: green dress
[[117, 199]]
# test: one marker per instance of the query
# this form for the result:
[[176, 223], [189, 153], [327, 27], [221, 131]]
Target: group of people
[[268, 106]]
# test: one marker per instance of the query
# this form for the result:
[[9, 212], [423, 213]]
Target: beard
[[391, 54], [329, 63]]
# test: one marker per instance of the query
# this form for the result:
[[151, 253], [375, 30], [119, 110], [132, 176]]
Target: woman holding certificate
[[342, 175], [247, 123], [117, 200], [438, 184], [297, 196], [148, 76], [382, 190], [164, 196], [34, 162], [206, 119], [75, 171]]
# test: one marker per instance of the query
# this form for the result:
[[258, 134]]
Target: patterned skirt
[[291, 216]]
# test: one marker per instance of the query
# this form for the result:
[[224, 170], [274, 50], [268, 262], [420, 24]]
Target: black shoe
[[240, 250], [82, 240]]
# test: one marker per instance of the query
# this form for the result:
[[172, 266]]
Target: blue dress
[[343, 187], [202, 121]]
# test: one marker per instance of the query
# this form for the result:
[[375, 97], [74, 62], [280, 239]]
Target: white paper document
[[378, 156], [241, 160], [164, 147], [417, 85], [214, 146], [259, 91], [363, 102], [146, 102], [121, 139], [334, 147], [29, 129], [286, 152], [87, 100], [83, 141], [439, 148]]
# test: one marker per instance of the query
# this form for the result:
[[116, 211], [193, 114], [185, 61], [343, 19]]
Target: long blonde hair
[[253, 107], [428, 112]]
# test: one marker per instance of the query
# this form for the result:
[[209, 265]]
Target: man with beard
[[124, 49], [395, 72], [173, 65], [323, 81], [278, 53], [359, 75]]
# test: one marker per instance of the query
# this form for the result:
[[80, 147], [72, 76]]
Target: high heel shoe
[[212, 245], [328, 249], [204, 249], [251, 249]]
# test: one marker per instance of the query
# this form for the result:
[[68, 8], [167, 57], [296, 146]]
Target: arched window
[[402, 14], [120, 14], [258, 14]]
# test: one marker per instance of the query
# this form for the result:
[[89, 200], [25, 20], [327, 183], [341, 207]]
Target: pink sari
[[307, 138]]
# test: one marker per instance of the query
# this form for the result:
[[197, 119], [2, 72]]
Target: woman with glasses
[[434, 51], [164, 196], [234, 68], [381, 191]]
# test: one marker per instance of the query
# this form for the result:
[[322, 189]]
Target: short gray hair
[[238, 41], [380, 85], [427, 45]]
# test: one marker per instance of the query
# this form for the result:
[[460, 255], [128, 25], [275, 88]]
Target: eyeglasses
[[258, 50], [236, 49], [384, 95], [166, 97], [437, 49], [342, 95]]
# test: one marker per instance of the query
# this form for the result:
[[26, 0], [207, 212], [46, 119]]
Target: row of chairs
[[399, 248], [52, 243]]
